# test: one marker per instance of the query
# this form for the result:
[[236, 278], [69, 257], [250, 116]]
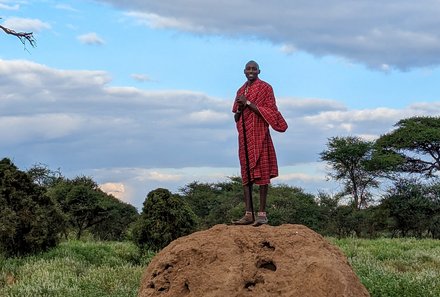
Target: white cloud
[[36, 128], [368, 137], [208, 115], [65, 7], [141, 77], [27, 25], [300, 177], [4, 6], [91, 38], [147, 139], [288, 48], [115, 189], [157, 21], [382, 35], [158, 176]]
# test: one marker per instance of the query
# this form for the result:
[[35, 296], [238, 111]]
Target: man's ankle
[[261, 214]]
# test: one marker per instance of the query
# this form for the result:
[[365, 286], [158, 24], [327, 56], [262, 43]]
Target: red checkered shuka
[[262, 157]]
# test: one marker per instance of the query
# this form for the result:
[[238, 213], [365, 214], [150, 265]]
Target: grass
[[75, 268], [395, 267], [387, 267]]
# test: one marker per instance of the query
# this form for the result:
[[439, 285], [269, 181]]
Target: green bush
[[30, 221], [164, 218]]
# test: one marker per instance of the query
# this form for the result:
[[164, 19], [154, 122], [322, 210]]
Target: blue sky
[[138, 94]]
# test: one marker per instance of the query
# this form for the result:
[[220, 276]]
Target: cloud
[[142, 139], [288, 49], [100, 125], [65, 7], [115, 189], [157, 21], [4, 6], [382, 35], [37, 128], [207, 115], [27, 25], [304, 177], [140, 77], [91, 39], [158, 176], [112, 126]]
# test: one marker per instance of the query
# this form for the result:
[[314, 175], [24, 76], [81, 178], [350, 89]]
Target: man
[[254, 111]]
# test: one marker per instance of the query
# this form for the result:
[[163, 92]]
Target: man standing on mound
[[254, 111]]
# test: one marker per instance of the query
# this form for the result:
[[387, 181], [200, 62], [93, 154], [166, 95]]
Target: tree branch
[[23, 36]]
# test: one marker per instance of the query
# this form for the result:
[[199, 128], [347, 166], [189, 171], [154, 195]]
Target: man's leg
[[248, 218], [261, 216], [263, 197], [247, 197]]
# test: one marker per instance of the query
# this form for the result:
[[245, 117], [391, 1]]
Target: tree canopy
[[30, 221], [413, 147], [348, 158], [89, 208], [164, 218]]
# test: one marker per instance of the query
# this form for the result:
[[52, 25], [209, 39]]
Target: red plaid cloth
[[262, 157]]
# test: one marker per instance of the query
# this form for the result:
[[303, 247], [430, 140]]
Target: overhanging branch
[[23, 36]]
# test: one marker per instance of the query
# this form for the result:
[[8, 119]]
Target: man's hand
[[241, 101], [237, 116]]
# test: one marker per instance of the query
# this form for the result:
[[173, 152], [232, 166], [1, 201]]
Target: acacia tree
[[413, 147], [349, 159]]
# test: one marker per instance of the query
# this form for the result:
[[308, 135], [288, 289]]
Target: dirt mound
[[288, 260]]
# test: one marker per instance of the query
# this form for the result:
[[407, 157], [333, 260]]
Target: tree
[[214, 203], [30, 221], [43, 176], [86, 206], [349, 159], [164, 218], [290, 205], [413, 147], [218, 203], [119, 221], [23, 36], [412, 206]]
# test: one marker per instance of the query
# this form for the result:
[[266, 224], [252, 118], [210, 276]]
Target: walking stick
[[248, 169]]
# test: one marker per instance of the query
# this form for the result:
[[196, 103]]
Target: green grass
[[387, 267], [75, 268], [395, 267]]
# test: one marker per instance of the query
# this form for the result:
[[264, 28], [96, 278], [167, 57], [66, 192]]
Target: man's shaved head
[[253, 63]]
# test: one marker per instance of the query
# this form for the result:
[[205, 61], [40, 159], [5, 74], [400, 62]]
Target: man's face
[[251, 71]]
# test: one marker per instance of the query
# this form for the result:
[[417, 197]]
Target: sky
[[138, 94]]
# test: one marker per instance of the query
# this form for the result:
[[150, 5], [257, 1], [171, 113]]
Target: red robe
[[262, 158]]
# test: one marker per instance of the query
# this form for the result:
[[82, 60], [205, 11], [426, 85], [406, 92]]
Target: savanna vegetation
[[66, 237], [404, 267]]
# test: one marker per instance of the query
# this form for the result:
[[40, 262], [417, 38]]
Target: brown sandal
[[247, 219], [261, 219]]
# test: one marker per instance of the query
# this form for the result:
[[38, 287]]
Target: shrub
[[164, 218], [30, 221]]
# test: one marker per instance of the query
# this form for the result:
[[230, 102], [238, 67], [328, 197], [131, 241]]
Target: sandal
[[261, 219], [247, 219]]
